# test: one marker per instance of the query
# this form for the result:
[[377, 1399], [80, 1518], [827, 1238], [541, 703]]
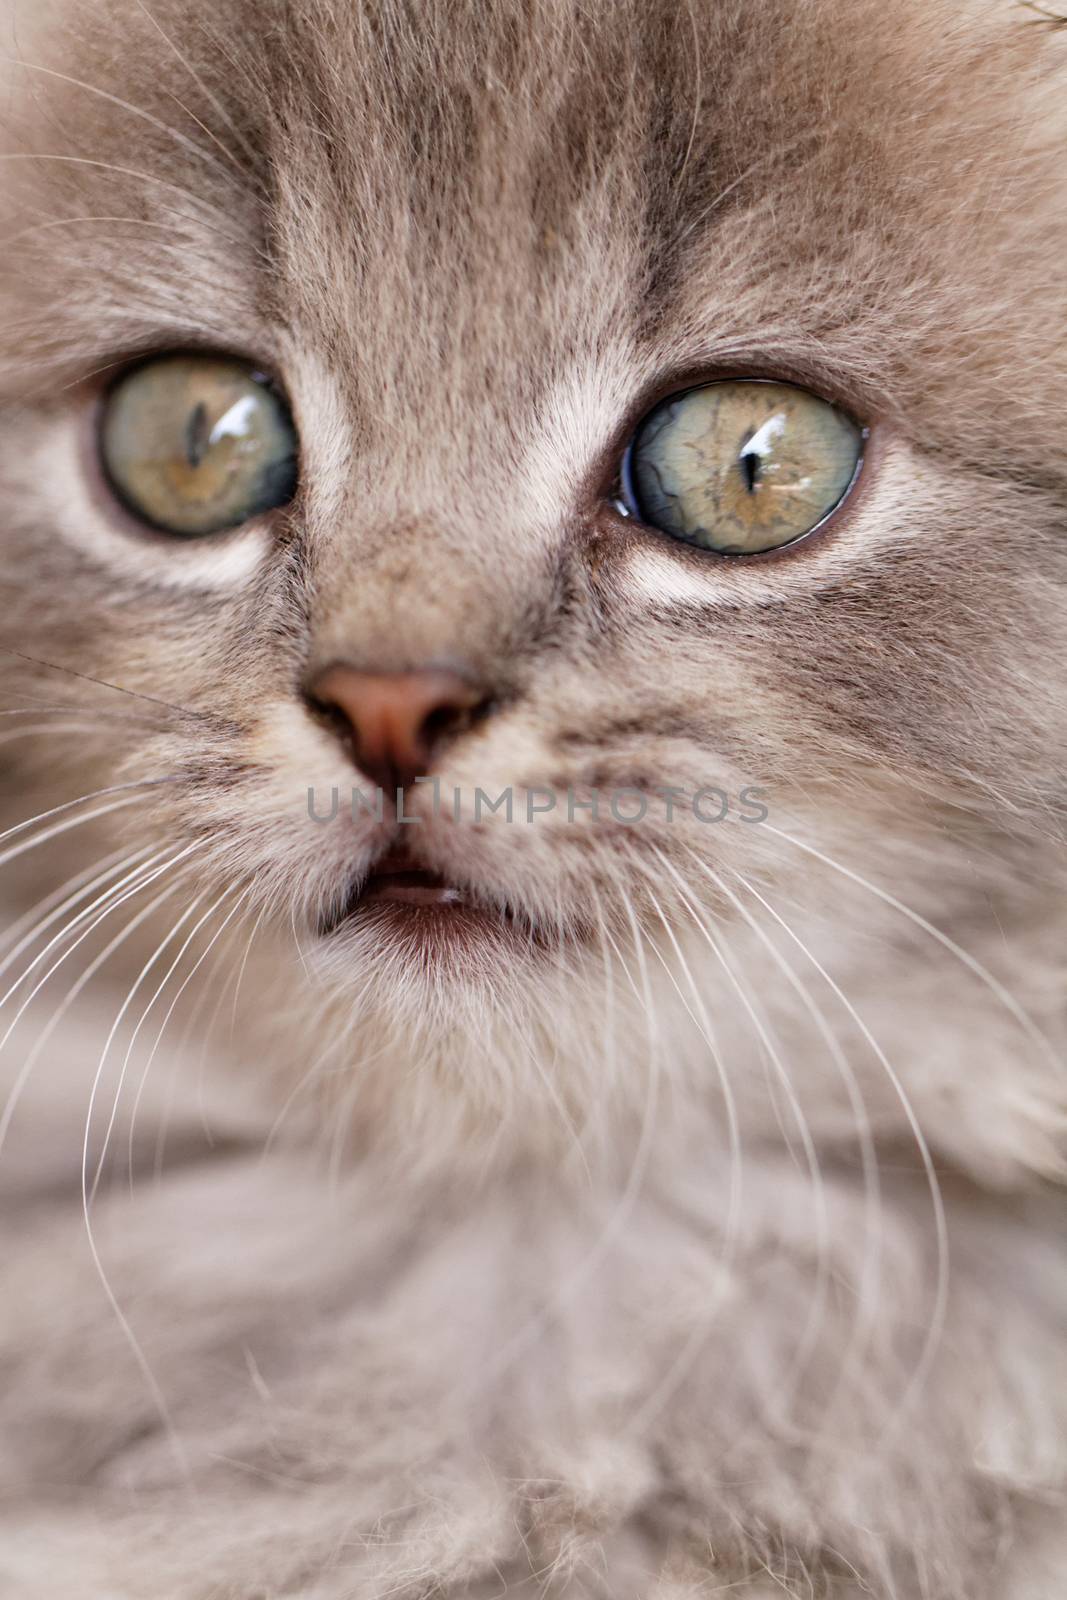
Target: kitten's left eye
[[741, 466], [195, 444]]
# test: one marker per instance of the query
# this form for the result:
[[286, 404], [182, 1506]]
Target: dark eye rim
[[624, 501], [118, 502]]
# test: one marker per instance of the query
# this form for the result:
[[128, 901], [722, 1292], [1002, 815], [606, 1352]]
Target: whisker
[[170, 1011], [63, 827], [29, 924], [299, 946], [116, 1024], [151, 1382], [116, 895], [124, 105], [68, 805], [216, 104], [136, 694], [117, 863], [121, 717], [50, 729], [171, 934], [698, 95], [241, 969], [50, 223], [314, 1071], [347, 1109], [609, 1019], [940, 1304], [1006, 998], [704, 1026], [820, 1292], [110, 166], [530, 1052], [202, 125], [25, 1071], [223, 965], [872, 1256], [192, 1022], [641, 1419], [578, 1276]]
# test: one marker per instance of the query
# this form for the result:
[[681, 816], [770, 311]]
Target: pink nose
[[397, 723]]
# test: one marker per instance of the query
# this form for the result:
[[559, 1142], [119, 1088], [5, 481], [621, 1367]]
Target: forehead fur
[[469, 201]]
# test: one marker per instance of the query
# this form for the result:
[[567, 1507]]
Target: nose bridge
[[398, 585]]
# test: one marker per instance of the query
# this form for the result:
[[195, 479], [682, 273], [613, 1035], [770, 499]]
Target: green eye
[[194, 444], [741, 466]]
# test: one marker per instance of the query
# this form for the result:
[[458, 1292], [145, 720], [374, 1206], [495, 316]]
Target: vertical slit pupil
[[750, 470], [197, 435]]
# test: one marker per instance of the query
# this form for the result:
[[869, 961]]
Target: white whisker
[[213, 100], [51, 223], [186, 194], [29, 731], [940, 1299], [868, 1302], [27, 929], [580, 1273], [181, 1057], [807, 1342], [108, 718], [68, 805], [124, 105], [243, 965], [675, 1374], [112, 895], [171, 934], [26, 1069], [982, 973], [171, 1008]]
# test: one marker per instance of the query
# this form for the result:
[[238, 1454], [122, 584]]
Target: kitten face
[[473, 268]]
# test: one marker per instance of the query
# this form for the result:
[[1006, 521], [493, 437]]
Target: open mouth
[[398, 885], [438, 923], [396, 878]]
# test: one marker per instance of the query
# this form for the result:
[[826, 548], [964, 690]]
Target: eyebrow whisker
[[124, 105]]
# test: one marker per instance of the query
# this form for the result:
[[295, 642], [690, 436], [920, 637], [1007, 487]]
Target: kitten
[[552, 401]]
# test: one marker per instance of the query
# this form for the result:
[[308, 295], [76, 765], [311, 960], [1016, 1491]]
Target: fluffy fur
[[712, 1243]]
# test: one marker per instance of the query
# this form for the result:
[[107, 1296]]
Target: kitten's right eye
[[194, 444]]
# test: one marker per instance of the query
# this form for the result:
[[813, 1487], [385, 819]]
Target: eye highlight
[[194, 444], [742, 465]]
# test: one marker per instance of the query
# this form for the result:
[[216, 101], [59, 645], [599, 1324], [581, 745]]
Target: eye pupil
[[197, 435], [741, 465], [750, 470]]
